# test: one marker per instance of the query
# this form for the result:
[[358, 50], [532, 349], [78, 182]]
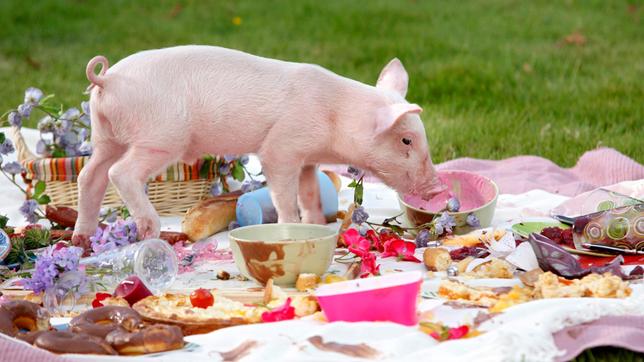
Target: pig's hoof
[[148, 228], [81, 241]]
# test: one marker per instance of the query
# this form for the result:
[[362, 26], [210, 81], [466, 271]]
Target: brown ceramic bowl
[[282, 251], [459, 182]]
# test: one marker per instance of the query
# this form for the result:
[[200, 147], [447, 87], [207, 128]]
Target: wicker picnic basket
[[171, 193]]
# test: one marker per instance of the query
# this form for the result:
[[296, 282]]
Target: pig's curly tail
[[97, 79]]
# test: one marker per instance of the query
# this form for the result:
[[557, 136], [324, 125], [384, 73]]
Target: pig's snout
[[433, 188]]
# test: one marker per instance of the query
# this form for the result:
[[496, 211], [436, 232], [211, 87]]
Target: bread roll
[[210, 216], [306, 281], [436, 259]]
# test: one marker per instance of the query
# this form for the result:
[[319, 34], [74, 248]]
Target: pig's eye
[[406, 141]]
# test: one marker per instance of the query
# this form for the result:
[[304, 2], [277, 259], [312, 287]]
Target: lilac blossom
[[359, 215], [117, 234], [12, 168], [6, 147], [453, 205], [51, 264], [473, 221], [28, 210], [447, 221], [216, 189], [250, 186], [33, 96], [224, 169], [15, 119]]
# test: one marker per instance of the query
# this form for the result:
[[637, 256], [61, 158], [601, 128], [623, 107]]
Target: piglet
[[158, 107]]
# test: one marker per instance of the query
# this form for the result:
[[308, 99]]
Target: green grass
[[495, 77]]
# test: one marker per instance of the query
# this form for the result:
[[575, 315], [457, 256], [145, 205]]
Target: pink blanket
[[600, 167], [596, 168]]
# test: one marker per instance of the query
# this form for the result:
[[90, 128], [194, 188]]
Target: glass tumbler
[[153, 261]]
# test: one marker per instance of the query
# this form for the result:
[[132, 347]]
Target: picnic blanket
[[547, 317], [600, 167]]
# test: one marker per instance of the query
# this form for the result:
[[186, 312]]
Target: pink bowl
[[391, 298]]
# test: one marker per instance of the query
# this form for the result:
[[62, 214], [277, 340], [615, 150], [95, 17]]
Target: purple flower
[[33, 95], [68, 258], [447, 221], [41, 147], [85, 107], [422, 239], [250, 186], [52, 264], [438, 229], [72, 114], [216, 189], [359, 215], [453, 205], [25, 110], [355, 172], [473, 221], [111, 217], [28, 210], [46, 124], [69, 138], [6, 147], [243, 159], [85, 148], [12, 168], [71, 150], [233, 225], [15, 119], [117, 234], [229, 158], [62, 126], [224, 169]]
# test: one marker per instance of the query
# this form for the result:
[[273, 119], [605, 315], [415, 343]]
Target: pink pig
[[158, 107]]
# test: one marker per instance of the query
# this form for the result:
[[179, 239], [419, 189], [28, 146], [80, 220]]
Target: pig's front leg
[[92, 182], [129, 176], [309, 196]]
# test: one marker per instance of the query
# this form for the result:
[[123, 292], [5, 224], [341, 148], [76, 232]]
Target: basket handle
[[23, 152]]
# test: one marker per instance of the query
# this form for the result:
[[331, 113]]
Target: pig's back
[[209, 93]]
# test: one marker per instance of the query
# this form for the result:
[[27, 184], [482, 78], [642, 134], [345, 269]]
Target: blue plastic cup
[[257, 207]]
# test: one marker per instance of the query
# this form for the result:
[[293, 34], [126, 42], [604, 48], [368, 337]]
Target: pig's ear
[[394, 77], [392, 114]]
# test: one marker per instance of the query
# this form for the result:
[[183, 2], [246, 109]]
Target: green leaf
[[125, 213], [58, 153], [238, 172], [397, 229], [357, 195], [205, 167], [39, 188], [43, 199], [2, 137], [3, 221], [353, 183]]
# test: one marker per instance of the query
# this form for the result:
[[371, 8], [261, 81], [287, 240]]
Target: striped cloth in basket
[[68, 168]]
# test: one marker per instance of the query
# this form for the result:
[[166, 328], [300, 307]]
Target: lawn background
[[496, 78]]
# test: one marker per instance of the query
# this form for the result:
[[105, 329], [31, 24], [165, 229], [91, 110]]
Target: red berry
[[202, 298]]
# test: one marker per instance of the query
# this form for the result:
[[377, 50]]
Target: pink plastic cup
[[391, 298]]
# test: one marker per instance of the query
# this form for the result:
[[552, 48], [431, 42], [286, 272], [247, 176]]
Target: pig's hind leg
[[309, 196], [129, 176]]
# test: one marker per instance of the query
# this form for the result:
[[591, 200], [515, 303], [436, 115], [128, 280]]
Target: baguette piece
[[210, 216]]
